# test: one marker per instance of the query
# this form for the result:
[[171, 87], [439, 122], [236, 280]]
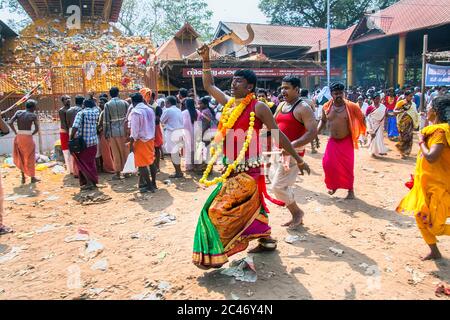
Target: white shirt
[[172, 118]]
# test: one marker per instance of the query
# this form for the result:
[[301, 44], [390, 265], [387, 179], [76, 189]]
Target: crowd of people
[[258, 137]]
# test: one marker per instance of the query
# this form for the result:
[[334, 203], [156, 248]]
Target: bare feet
[[435, 254], [331, 192], [351, 195], [432, 256], [35, 180], [297, 220]]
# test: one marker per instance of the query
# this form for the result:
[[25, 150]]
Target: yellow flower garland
[[227, 121]]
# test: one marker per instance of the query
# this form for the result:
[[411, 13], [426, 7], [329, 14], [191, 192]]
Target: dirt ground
[[380, 258]]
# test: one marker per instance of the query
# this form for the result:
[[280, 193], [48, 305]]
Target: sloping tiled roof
[[184, 44], [404, 16], [338, 39], [176, 49], [273, 35]]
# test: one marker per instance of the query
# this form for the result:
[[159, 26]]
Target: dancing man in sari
[[375, 116], [24, 153], [407, 121], [346, 124], [429, 199], [236, 212]]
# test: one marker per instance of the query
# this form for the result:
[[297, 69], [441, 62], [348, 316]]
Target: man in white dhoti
[[172, 120], [375, 125]]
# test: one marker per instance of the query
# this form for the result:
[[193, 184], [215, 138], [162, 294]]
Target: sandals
[[176, 176], [5, 230]]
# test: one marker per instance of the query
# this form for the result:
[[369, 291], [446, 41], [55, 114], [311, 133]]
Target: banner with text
[[437, 75], [263, 72]]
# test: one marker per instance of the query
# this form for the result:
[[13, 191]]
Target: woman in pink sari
[[191, 128]]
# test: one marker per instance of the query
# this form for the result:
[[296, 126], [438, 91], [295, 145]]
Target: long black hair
[[206, 100], [442, 107], [190, 107]]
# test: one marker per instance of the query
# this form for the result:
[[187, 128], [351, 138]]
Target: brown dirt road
[[380, 259]]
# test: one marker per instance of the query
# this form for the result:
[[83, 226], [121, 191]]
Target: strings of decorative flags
[[28, 94]]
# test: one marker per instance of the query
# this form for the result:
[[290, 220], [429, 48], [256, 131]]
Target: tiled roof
[[184, 44], [338, 39], [402, 17], [273, 35], [176, 49]]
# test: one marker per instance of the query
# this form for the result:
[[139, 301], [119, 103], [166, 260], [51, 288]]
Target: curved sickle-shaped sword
[[234, 37]]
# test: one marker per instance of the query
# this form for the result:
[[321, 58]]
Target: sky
[[235, 11], [223, 10]]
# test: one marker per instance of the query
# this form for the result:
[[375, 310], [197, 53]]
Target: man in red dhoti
[[64, 130], [24, 153], [346, 123]]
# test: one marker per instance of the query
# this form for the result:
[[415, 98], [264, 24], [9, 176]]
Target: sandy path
[[366, 229]]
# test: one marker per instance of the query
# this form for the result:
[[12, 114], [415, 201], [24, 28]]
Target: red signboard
[[263, 72]]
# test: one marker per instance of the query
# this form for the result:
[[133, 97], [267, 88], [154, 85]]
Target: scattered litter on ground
[[165, 219], [47, 228], [364, 266], [95, 291], [235, 297], [92, 199], [15, 197], [15, 251], [161, 255], [25, 235], [243, 270], [8, 163], [416, 276], [58, 169], [52, 198], [78, 237], [123, 221], [93, 248], [336, 252], [48, 257], [100, 265], [136, 235], [250, 293], [292, 239], [167, 182]]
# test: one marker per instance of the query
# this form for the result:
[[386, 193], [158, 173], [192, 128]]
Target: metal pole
[[328, 44], [193, 85], [424, 65]]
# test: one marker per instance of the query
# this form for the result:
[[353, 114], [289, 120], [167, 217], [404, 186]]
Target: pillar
[[349, 66], [401, 59]]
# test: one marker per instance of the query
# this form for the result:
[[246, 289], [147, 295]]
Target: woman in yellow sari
[[407, 121], [429, 199]]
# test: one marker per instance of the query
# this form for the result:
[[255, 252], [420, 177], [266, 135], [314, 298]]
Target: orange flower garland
[[227, 121]]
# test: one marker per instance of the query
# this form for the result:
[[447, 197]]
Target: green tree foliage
[[313, 13], [161, 19]]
